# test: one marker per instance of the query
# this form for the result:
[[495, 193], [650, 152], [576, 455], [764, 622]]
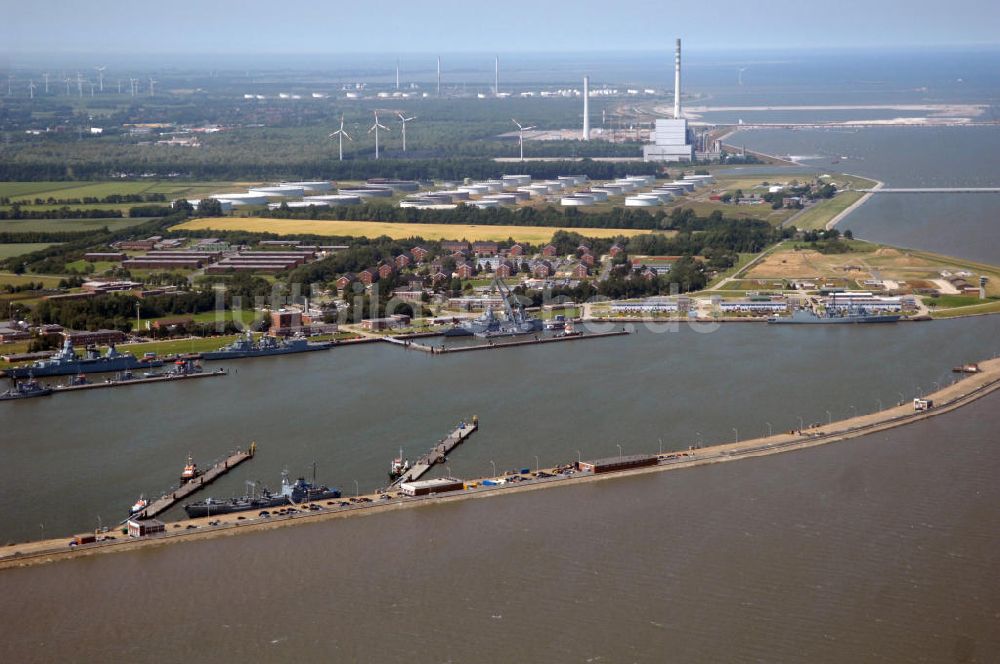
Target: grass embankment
[[397, 230], [20, 249], [817, 217]]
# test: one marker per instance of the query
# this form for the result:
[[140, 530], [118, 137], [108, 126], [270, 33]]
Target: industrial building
[[428, 487], [618, 463], [671, 140]]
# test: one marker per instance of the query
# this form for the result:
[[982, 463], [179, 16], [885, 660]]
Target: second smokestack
[[677, 81], [586, 108]]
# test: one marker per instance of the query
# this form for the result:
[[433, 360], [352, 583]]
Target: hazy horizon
[[56, 28]]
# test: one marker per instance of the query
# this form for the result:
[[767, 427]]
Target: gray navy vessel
[[807, 318], [515, 322], [67, 363], [245, 346]]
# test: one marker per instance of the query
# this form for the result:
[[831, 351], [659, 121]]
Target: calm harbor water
[[881, 549], [72, 461]]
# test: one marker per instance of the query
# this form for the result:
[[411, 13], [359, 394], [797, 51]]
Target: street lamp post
[[829, 417], [661, 446], [619, 450], [737, 432], [494, 468], [902, 399], [770, 429], [879, 402], [802, 424], [536, 463], [700, 441], [357, 489], [578, 457]]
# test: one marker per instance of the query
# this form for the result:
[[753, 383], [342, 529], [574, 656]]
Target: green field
[[50, 281], [816, 217], [66, 225], [11, 250], [170, 189]]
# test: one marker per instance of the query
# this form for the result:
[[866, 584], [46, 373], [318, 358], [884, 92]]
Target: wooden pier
[[439, 452], [163, 503], [439, 350]]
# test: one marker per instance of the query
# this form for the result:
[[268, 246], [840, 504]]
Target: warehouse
[[618, 463], [429, 487]]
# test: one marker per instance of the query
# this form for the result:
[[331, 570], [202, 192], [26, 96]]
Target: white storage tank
[[576, 200], [516, 180], [334, 199], [485, 203], [611, 189], [641, 201], [241, 199], [279, 190], [599, 195], [317, 186]]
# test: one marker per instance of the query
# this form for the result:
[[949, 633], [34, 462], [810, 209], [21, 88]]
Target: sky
[[53, 27]]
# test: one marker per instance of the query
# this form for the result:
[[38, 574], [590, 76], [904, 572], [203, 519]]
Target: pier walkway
[[439, 452], [441, 350], [164, 378], [164, 503], [931, 190]]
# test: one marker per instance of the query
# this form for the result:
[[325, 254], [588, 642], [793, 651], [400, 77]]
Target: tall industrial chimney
[[496, 77], [586, 108], [439, 75], [397, 73], [677, 81]]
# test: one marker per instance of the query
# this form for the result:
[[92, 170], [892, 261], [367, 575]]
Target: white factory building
[[671, 140]]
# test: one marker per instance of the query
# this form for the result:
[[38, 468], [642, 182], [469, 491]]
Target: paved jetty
[[932, 190], [534, 340], [165, 502], [439, 452], [165, 378]]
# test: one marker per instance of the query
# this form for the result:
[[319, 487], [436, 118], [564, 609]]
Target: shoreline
[[968, 389], [854, 206]]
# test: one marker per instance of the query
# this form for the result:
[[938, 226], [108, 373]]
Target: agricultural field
[[11, 250], [67, 225], [50, 281], [396, 230], [170, 189]]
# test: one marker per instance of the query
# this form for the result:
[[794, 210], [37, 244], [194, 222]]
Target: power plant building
[[670, 136]]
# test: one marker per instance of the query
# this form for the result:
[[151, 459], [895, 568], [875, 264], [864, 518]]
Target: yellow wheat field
[[395, 230]]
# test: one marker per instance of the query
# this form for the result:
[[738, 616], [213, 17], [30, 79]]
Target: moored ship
[[246, 346], [67, 363], [26, 389], [290, 494], [803, 317]]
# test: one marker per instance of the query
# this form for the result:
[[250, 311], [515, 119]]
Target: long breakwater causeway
[[951, 397]]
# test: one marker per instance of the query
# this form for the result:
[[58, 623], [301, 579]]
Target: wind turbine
[[10, 84], [79, 84], [375, 127], [739, 78], [68, 81], [46, 75], [520, 135], [132, 82], [404, 120], [152, 86], [31, 89], [397, 73], [119, 86], [100, 75], [340, 133]]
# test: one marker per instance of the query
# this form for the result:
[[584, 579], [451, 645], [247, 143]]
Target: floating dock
[[58, 389], [439, 350], [439, 452], [164, 503]]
